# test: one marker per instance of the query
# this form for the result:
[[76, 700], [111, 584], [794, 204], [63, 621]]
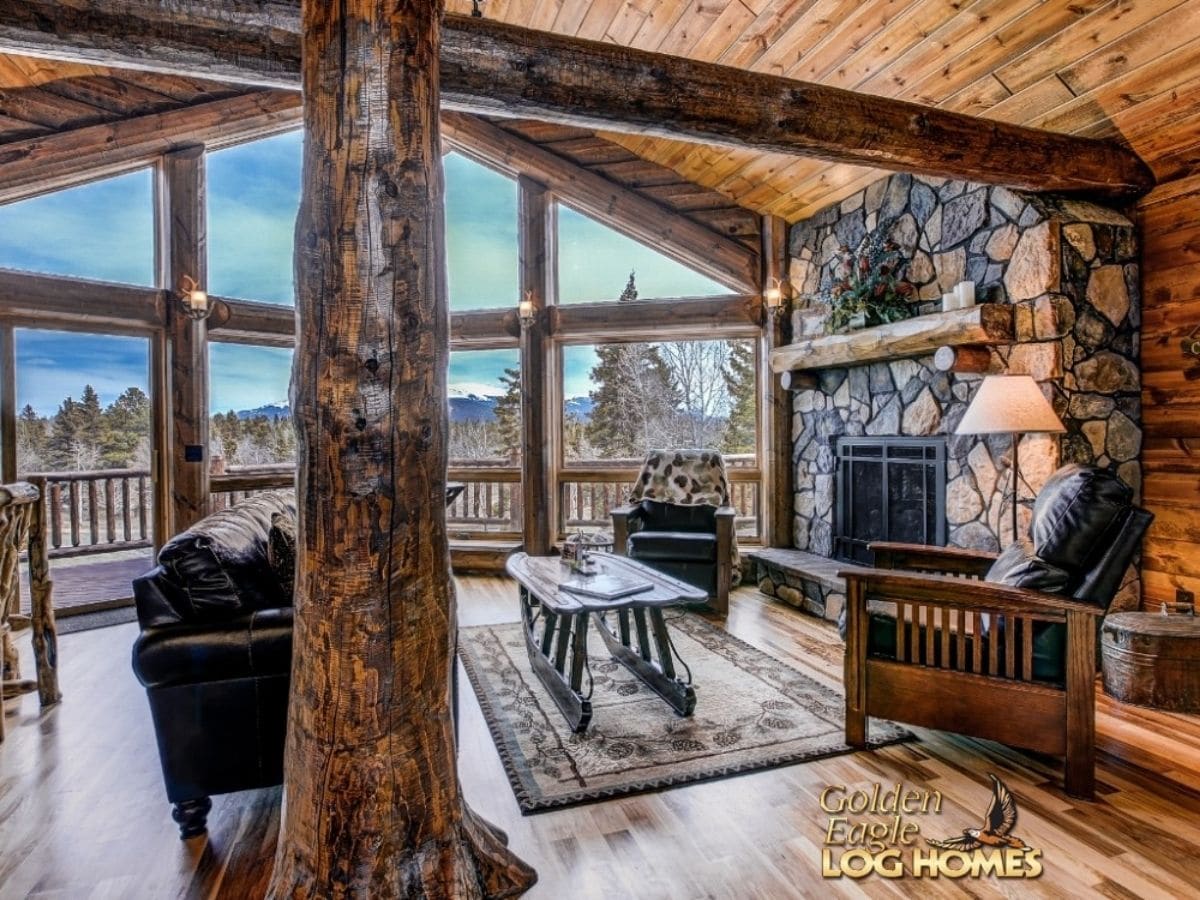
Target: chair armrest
[[726, 512], [957, 592], [922, 557], [625, 519]]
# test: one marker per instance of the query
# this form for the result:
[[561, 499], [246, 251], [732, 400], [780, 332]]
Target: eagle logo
[[997, 827]]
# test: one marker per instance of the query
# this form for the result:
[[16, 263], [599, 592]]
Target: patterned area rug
[[752, 712]]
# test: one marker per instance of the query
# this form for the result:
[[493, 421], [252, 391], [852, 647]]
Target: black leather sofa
[[215, 655]]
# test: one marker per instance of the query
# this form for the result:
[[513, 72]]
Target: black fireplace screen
[[889, 489]]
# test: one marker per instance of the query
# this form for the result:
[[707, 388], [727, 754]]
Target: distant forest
[[85, 436]]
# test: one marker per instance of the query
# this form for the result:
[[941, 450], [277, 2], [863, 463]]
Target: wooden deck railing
[[97, 511]]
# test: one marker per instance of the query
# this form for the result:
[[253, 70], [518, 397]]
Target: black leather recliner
[[215, 657]]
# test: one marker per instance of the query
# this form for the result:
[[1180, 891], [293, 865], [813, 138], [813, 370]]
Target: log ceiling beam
[[52, 162], [500, 69], [697, 246]]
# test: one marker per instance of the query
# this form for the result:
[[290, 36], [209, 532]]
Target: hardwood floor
[[83, 815]]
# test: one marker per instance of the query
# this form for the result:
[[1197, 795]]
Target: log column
[[183, 249], [372, 803], [537, 252], [776, 400]]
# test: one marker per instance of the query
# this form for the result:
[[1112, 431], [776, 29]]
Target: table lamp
[[1012, 404]]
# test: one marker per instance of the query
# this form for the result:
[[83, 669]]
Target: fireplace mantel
[[986, 323]]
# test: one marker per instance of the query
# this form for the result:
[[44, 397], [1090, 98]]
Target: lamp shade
[[1012, 404]]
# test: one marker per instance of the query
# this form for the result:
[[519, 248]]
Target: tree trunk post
[[372, 804]]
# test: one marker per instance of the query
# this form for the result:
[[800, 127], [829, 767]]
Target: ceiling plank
[[687, 241], [500, 69], [46, 163]]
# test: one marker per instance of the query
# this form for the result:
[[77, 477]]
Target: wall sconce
[[774, 297], [526, 312], [192, 300]]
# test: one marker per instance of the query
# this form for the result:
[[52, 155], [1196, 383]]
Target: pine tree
[[126, 424], [739, 378], [630, 292], [32, 438], [508, 414]]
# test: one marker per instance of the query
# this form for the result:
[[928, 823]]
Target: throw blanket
[[686, 478]]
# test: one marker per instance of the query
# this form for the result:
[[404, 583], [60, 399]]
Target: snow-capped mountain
[[468, 403]]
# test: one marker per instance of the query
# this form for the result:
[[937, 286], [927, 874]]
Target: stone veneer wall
[[1069, 268]]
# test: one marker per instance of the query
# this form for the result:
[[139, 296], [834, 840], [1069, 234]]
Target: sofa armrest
[[925, 558], [254, 645]]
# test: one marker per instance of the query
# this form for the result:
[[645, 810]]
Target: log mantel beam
[[500, 69]]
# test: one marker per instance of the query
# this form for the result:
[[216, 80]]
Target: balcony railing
[[98, 511]]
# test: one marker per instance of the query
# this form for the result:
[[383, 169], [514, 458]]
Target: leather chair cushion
[[1077, 515], [218, 568], [281, 551], [657, 516], [1018, 566], [255, 645], [673, 545]]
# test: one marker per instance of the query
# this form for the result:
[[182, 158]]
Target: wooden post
[[8, 405], [776, 400], [183, 252], [372, 804], [537, 251]]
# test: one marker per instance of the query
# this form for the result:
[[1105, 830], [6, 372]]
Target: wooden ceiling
[[40, 97], [1101, 68], [1127, 69]]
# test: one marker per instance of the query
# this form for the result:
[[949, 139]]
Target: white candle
[[965, 292], [949, 301]]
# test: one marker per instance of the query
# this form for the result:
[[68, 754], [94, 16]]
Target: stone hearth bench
[[801, 579]]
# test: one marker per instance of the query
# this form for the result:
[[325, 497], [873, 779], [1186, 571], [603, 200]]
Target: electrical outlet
[[1184, 597]]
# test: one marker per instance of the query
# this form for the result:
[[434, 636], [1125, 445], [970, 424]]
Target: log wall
[[1170, 220]]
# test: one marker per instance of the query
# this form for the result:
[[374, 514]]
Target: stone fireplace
[[1069, 272]]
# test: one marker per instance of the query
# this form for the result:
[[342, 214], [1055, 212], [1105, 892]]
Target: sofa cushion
[[281, 551], [673, 545], [218, 569], [657, 516], [1076, 516]]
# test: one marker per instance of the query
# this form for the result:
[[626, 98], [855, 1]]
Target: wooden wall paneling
[[537, 261], [1170, 389], [183, 247]]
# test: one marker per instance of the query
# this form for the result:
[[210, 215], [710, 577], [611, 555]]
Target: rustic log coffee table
[[556, 624]]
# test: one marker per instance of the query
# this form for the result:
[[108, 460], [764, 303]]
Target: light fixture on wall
[[526, 311], [192, 300], [1012, 404], [774, 297]]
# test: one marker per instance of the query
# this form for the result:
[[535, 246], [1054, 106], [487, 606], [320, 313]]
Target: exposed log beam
[[683, 239], [42, 164], [54, 300], [664, 318], [500, 69]]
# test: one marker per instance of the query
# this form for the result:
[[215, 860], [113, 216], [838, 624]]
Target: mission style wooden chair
[[997, 646], [22, 527]]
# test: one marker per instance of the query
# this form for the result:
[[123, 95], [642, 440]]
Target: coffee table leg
[[567, 695], [658, 676]]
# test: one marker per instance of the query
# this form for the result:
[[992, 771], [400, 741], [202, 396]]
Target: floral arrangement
[[870, 283]]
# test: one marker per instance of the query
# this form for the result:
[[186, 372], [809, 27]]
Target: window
[[597, 263], [485, 406], [251, 414], [253, 199], [620, 400], [481, 236], [103, 231]]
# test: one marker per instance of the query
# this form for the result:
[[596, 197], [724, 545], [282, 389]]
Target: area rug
[[752, 712]]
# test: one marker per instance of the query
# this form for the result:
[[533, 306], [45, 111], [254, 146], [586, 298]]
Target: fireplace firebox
[[888, 489]]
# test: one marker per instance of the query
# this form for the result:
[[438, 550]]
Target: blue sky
[[105, 231]]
